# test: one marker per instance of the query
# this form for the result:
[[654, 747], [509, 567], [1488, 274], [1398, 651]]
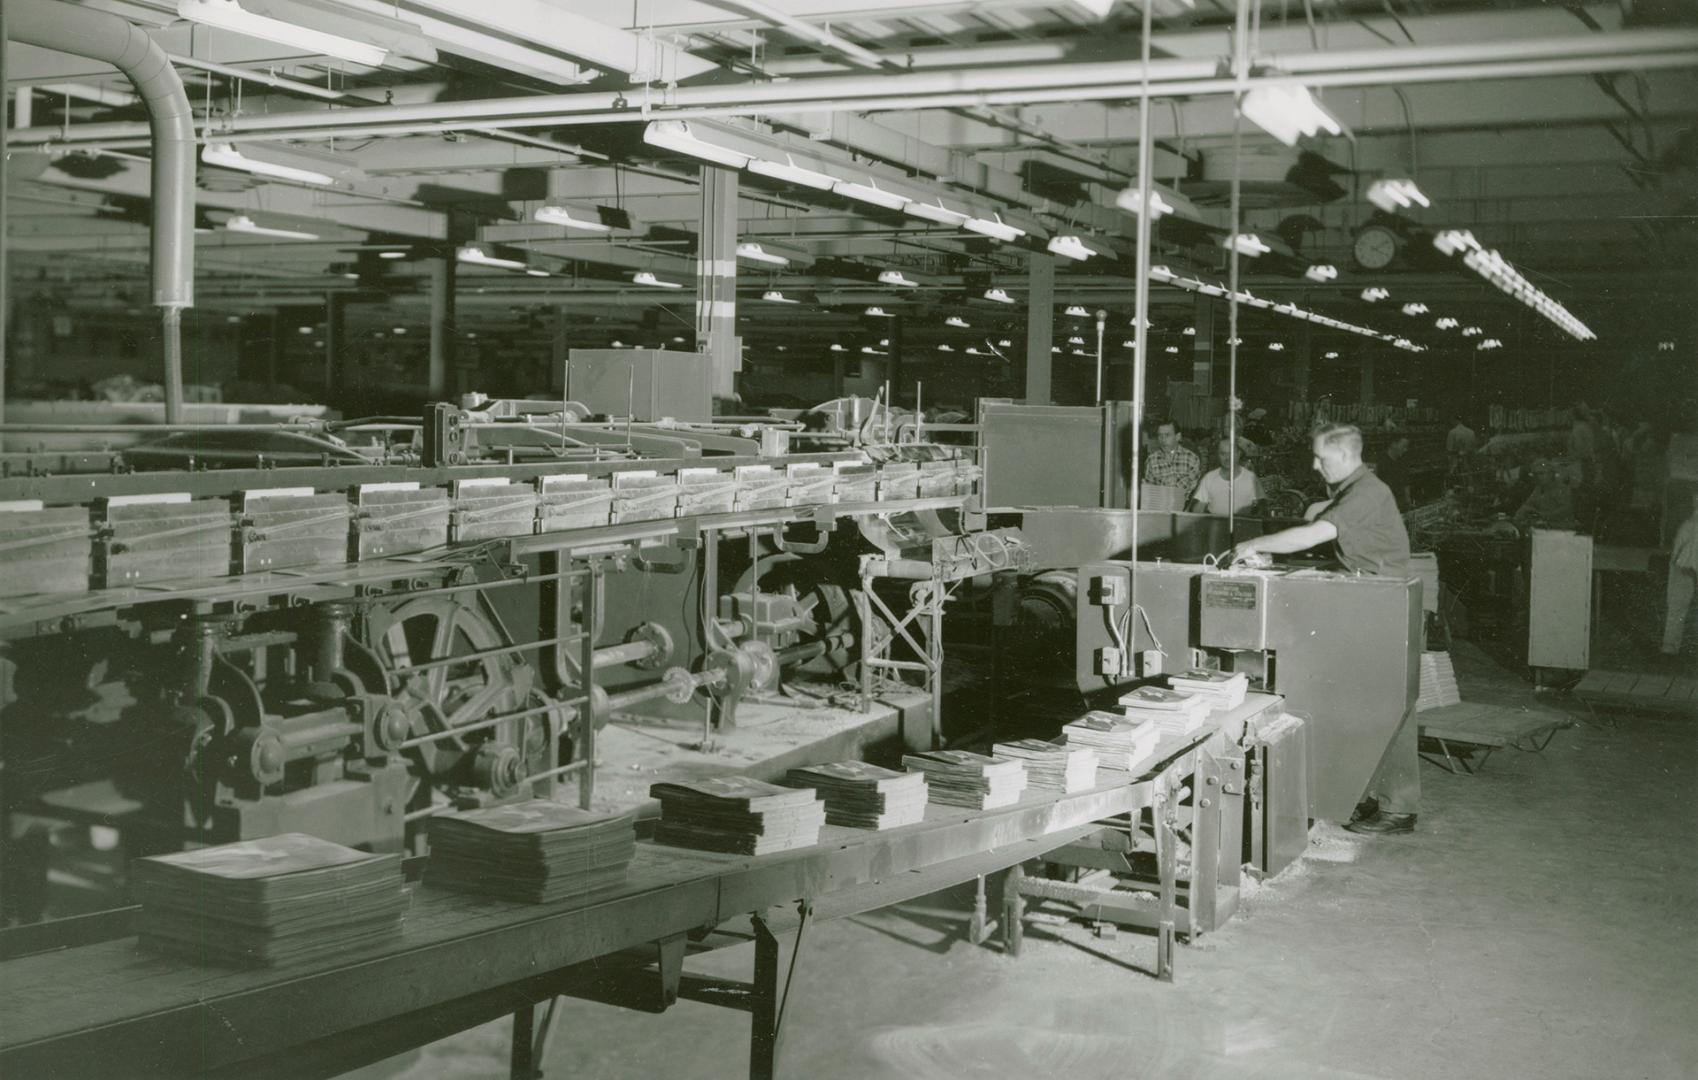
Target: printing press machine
[[217, 646]]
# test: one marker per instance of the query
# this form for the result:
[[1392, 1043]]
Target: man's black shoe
[[1382, 823], [1367, 808]]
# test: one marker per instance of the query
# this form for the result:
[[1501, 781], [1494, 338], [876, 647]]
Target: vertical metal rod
[[1141, 308], [764, 1031], [919, 410], [586, 677], [934, 651], [1240, 72], [1102, 321]]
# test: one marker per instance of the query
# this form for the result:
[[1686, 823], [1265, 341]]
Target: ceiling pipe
[[1575, 54], [96, 35]]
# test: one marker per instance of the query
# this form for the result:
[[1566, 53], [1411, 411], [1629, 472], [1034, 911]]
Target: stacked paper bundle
[[281, 900], [962, 778], [533, 852], [738, 815], [1173, 712], [1219, 689], [1438, 682], [1118, 741], [862, 796], [1052, 766]]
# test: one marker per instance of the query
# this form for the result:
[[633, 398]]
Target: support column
[[716, 279], [1368, 378], [1300, 357], [562, 350], [335, 338], [441, 325], [5, 281], [1040, 317], [1203, 346]]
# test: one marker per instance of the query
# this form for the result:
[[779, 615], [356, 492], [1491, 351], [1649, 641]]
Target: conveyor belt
[[93, 1009]]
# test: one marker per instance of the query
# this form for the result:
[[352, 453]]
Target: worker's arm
[[1286, 541]]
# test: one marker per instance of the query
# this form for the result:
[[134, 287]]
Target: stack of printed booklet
[[534, 852], [275, 901]]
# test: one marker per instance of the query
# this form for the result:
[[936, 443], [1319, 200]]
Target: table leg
[[520, 1063], [1013, 910]]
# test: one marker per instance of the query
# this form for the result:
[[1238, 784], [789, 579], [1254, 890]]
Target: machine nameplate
[[1230, 594]]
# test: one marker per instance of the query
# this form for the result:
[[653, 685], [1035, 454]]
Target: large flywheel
[[482, 722]]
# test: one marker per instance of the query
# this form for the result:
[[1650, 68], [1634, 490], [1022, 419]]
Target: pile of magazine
[[275, 901]]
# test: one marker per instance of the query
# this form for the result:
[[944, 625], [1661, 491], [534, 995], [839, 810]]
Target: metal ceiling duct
[[96, 35]]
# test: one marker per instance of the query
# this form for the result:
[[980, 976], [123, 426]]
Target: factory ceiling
[[1560, 136]]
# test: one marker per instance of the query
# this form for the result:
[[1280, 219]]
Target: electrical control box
[[1234, 610]]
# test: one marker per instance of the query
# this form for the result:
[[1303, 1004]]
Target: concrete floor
[[1541, 923]]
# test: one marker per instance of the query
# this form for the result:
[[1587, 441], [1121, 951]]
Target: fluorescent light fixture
[[790, 172], [998, 296], [1245, 244], [226, 156], [473, 255], [586, 219], [878, 313], [1189, 331], [1235, 341], [1414, 309], [1375, 294], [1128, 344], [1472, 331], [1332, 356], [773, 296], [1321, 272], [229, 15], [1446, 323], [946, 348], [1394, 195], [303, 329], [835, 347], [1662, 346], [1498, 270], [1133, 322], [936, 211], [1077, 312], [1287, 112], [755, 253], [678, 136], [534, 272], [871, 194], [242, 223], [1132, 201], [1172, 349], [957, 321], [392, 254], [1055, 348], [616, 344], [870, 351], [1490, 344], [398, 330], [646, 277], [974, 350], [1276, 346], [1455, 241], [1075, 340], [994, 227], [1070, 247], [896, 277], [1007, 344], [1079, 352]]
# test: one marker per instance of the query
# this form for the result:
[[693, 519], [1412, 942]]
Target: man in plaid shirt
[[1172, 465]]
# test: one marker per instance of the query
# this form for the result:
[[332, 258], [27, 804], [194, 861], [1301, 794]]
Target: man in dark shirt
[[1393, 470], [1362, 524]]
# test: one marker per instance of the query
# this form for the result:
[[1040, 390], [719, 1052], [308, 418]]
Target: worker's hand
[[1245, 552]]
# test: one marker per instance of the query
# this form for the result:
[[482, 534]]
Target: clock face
[[1375, 248]]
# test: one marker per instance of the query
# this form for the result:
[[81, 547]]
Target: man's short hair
[[1346, 436], [1167, 421]]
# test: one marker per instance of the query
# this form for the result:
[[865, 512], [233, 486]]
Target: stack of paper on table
[[1170, 710], [1118, 741], [535, 852], [963, 778], [274, 901], [1052, 766], [862, 796], [738, 815], [1219, 688]]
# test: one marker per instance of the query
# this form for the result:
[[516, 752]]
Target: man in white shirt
[[1214, 493]]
